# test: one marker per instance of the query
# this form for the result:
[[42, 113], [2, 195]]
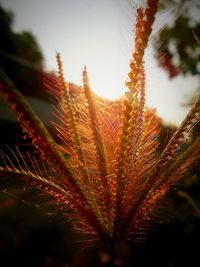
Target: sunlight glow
[[99, 34], [107, 75], [98, 44]]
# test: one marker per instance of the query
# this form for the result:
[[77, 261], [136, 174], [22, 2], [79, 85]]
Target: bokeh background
[[98, 34]]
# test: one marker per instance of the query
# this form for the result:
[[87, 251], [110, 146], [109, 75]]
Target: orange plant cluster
[[105, 170]]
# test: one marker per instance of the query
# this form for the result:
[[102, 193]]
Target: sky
[[99, 34]]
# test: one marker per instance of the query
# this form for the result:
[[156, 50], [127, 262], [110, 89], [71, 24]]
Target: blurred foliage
[[181, 6], [177, 50], [21, 57]]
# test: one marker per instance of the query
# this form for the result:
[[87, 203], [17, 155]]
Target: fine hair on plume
[[104, 167]]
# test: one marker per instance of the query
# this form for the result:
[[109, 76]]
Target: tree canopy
[[177, 49], [20, 56]]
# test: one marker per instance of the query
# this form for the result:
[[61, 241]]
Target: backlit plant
[[105, 170]]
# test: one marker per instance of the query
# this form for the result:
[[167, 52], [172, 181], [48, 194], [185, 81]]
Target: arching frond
[[106, 168]]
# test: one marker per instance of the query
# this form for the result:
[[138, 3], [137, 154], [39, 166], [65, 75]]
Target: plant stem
[[112, 254]]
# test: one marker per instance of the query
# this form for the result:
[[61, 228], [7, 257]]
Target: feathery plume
[[106, 168]]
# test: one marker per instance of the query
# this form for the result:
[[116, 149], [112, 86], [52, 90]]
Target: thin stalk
[[99, 146], [144, 22], [111, 252]]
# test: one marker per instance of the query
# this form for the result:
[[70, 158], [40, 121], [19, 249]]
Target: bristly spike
[[35, 128], [143, 31], [68, 109], [31, 124], [106, 168], [163, 164], [99, 145], [94, 126]]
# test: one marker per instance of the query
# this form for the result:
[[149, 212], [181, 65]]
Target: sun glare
[[108, 81], [107, 69]]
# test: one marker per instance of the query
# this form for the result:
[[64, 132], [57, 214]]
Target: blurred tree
[[21, 57], [177, 50]]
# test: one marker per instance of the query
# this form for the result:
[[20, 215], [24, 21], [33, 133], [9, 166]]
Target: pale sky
[[99, 34]]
